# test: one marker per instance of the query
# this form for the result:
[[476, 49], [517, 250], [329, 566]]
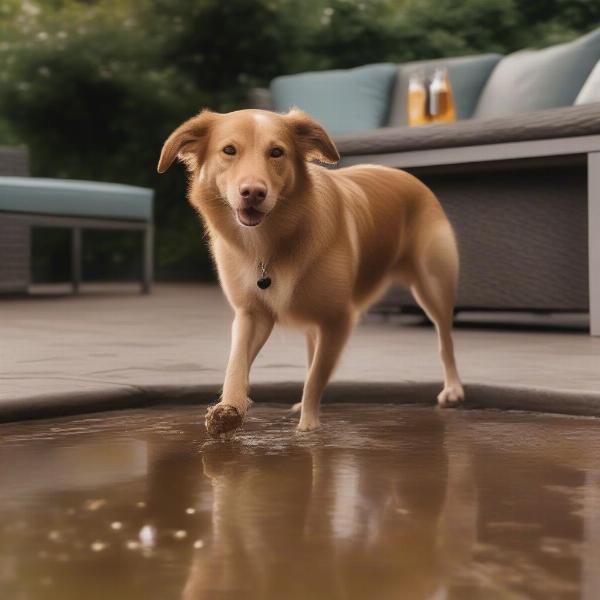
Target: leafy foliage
[[94, 87]]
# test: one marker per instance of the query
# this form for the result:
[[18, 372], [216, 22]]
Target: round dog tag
[[263, 283]]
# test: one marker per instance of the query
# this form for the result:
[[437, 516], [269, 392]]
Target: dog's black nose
[[253, 194]]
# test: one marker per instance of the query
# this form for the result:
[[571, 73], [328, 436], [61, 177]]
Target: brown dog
[[299, 244]]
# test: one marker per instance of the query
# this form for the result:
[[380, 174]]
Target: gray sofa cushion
[[343, 100], [590, 92], [537, 79], [467, 74], [545, 124]]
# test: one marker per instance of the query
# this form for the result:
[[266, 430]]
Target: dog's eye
[[276, 152], [229, 150]]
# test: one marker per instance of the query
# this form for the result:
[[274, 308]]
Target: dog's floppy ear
[[187, 142], [311, 138]]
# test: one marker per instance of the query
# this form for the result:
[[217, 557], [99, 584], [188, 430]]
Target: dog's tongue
[[249, 216]]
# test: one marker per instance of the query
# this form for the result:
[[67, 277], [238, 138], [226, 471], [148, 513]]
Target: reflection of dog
[[325, 522], [307, 246]]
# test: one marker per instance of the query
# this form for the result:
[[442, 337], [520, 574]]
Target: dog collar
[[264, 281]]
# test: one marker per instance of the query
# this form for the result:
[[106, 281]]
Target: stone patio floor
[[63, 353]]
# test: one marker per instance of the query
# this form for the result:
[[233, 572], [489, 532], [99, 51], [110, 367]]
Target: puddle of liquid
[[382, 502]]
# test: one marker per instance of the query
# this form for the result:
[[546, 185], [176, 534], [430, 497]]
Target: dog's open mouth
[[249, 216]]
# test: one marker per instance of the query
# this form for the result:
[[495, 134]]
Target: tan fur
[[333, 241]]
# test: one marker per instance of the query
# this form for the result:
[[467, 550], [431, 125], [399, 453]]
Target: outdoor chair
[[27, 202], [518, 173]]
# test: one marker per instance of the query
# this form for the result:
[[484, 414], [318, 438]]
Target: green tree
[[94, 87]]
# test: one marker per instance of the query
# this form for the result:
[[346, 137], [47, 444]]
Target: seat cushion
[[590, 92], [467, 74], [67, 197], [536, 79], [343, 100], [571, 121]]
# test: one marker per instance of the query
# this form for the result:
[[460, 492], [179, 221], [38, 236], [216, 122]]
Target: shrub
[[93, 88]]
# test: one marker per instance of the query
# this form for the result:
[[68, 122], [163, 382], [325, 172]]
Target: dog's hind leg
[[434, 288], [250, 331], [330, 341]]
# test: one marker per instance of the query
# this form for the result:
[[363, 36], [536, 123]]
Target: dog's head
[[252, 157]]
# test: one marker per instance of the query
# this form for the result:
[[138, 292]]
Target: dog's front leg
[[331, 339], [250, 331]]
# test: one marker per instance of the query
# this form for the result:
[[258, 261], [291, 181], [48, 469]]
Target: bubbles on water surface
[[94, 504], [98, 546], [147, 536], [180, 534]]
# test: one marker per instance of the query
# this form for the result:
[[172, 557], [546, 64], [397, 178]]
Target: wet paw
[[296, 408], [222, 419], [451, 395], [308, 424]]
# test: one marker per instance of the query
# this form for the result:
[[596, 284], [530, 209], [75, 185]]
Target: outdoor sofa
[[518, 173], [27, 202]]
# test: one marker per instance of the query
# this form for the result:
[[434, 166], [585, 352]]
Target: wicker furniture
[[31, 202], [518, 173], [526, 212]]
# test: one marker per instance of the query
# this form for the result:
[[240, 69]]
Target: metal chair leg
[[593, 240], [148, 266], [76, 258]]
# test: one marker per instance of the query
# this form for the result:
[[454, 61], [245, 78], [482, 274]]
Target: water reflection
[[327, 522], [385, 502]]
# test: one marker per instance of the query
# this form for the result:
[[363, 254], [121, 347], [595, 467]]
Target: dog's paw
[[222, 419], [296, 408], [451, 395], [308, 424]]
